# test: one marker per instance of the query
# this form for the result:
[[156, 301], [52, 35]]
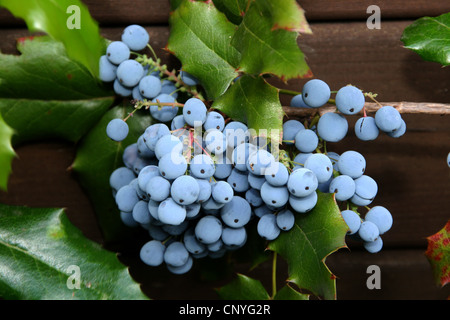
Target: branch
[[372, 107]]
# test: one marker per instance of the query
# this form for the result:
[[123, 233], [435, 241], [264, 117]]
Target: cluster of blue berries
[[349, 100], [195, 179], [348, 182]]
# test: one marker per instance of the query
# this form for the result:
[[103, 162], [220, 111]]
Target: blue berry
[[368, 231], [290, 129], [349, 100], [117, 129], [135, 37], [267, 227], [381, 217], [194, 110], [107, 70], [170, 212], [320, 165], [202, 166], [214, 121], [303, 204], [352, 220], [117, 52], [188, 79], [332, 127], [129, 73], [366, 189], [164, 113], [388, 119], [222, 192], [306, 141], [277, 174], [343, 187], [352, 163], [316, 93], [297, 102], [302, 182], [172, 165], [208, 229], [152, 253], [366, 129], [185, 190], [274, 196], [126, 198], [150, 86], [285, 220], [236, 213], [176, 254]]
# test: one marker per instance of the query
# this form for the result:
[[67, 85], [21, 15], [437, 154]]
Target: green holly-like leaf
[[44, 94], [233, 9], [255, 102], [68, 21], [45, 257], [267, 49], [289, 293], [287, 15], [243, 288], [200, 38], [7, 153], [305, 247], [430, 38], [96, 158], [438, 254]]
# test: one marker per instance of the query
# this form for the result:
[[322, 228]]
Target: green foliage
[[314, 236], [265, 50], [199, 32], [37, 249], [219, 40], [243, 288], [430, 38], [252, 100], [45, 94], [438, 255], [7, 153], [83, 44]]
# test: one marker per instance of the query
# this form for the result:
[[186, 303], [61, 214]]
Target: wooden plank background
[[411, 171]]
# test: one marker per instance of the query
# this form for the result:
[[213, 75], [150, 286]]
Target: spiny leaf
[[287, 15], [6, 153], [44, 94], [430, 38], [233, 9], [96, 158], [289, 293], [265, 50], [438, 254], [243, 288], [305, 247], [58, 19], [200, 38], [253, 101], [43, 256]]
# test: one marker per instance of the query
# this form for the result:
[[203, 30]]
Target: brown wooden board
[[121, 12]]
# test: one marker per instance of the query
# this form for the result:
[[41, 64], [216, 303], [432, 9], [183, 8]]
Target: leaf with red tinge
[[266, 48], [438, 254]]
